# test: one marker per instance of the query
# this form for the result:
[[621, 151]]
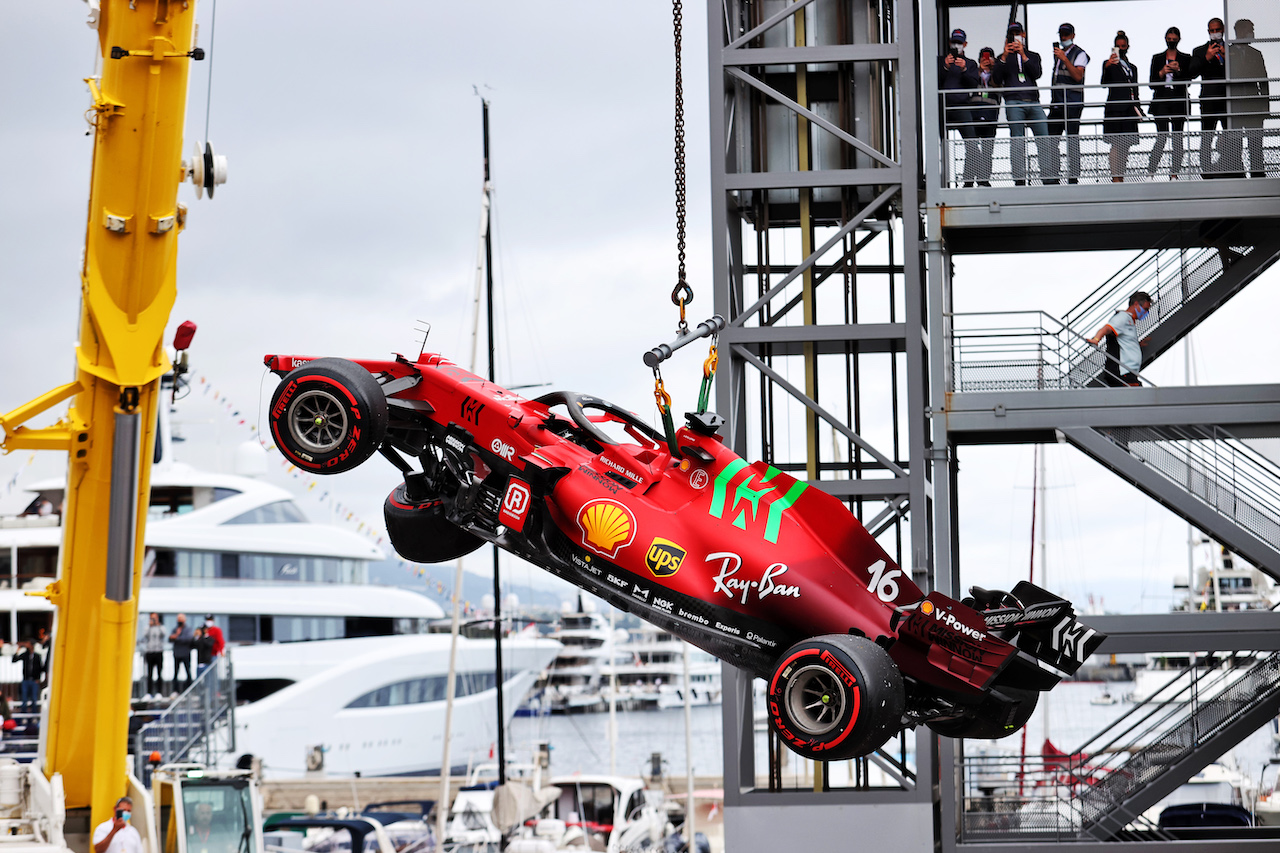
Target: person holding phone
[[1016, 73], [1122, 111], [956, 71], [118, 835], [1066, 94], [1170, 71], [1209, 63]]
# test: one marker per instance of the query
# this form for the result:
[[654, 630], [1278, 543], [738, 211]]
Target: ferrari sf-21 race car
[[762, 570]]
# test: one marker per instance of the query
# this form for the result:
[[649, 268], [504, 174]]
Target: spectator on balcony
[[212, 630], [1016, 73], [153, 655], [1170, 69], [1123, 330], [1122, 111], [1066, 94], [1209, 63], [32, 669], [183, 643], [1249, 102], [984, 113], [204, 650], [956, 72]]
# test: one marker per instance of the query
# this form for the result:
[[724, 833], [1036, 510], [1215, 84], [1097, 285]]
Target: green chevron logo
[[748, 495]]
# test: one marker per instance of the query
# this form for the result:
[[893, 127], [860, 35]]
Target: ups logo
[[664, 558]]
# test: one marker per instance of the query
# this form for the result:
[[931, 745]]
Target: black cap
[[1016, 27], [1066, 30], [985, 51]]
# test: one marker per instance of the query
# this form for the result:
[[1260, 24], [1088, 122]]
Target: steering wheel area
[[579, 405]]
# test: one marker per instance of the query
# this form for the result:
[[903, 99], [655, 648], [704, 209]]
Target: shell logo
[[607, 527]]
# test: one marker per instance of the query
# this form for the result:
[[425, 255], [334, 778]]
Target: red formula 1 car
[[760, 569]]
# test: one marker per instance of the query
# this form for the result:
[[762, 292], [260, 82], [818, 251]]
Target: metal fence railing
[[197, 726], [1209, 463], [1061, 796], [1243, 142]]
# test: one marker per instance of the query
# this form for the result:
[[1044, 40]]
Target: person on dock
[[153, 655], [1123, 328], [31, 671], [118, 835], [182, 645]]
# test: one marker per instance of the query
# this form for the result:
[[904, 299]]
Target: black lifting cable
[[682, 294], [208, 95]]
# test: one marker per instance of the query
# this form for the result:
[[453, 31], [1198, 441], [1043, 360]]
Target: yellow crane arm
[[127, 291]]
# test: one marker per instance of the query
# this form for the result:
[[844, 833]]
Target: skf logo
[[607, 527], [471, 409], [501, 448], [515, 504], [744, 506], [664, 558]]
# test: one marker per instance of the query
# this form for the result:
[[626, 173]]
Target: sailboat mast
[[497, 581]]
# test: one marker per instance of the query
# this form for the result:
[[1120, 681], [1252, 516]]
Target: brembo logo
[[956, 625]]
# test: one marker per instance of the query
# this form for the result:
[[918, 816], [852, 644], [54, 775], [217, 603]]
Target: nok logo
[[664, 558], [739, 494], [607, 526]]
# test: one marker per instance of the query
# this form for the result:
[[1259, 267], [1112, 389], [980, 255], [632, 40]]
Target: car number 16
[[882, 582]]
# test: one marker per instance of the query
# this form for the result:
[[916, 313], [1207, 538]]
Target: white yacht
[[649, 668], [576, 680], [325, 662]]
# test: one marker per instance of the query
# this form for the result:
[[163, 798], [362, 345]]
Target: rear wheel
[[835, 697], [419, 531], [328, 415], [993, 718]]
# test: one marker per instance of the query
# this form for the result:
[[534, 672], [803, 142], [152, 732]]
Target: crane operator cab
[[205, 811]]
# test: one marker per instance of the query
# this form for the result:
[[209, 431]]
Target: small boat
[[1103, 698]]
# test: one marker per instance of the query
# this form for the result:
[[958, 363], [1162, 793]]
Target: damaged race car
[[762, 570]]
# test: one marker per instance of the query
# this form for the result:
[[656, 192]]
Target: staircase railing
[[196, 726], [1034, 350], [1009, 798], [1214, 466]]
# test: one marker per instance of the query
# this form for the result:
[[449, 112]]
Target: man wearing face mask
[[118, 835], [984, 112], [1209, 63], [1016, 73], [956, 71], [1123, 330], [1170, 69], [1067, 99]]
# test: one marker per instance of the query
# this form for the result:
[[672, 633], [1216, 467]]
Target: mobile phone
[[119, 813], [1057, 46]]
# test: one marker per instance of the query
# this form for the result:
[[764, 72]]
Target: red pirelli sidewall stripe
[[857, 699]]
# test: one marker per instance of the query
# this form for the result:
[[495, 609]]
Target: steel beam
[[1188, 632], [1247, 411]]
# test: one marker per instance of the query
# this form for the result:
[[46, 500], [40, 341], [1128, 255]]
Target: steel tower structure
[[837, 205]]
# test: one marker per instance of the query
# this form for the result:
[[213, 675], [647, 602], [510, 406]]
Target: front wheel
[[328, 415], [835, 697]]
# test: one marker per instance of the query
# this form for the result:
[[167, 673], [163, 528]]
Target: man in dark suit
[[1209, 63], [1250, 101]]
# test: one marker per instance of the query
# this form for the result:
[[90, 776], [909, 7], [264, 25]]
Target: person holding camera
[[984, 113], [1016, 72], [32, 669], [1170, 71], [1209, 63], [1066, 94], [1122, 111], [118, 835], [956, 71]]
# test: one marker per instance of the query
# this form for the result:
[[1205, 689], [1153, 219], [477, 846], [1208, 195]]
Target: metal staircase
[[1033, 350], [1160, 743], [1202, 473], [1100, 791], [196, 727]]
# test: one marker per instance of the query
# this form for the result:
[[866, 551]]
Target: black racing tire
[[993, 718], [328, 416], [419, 531], [835, 697]]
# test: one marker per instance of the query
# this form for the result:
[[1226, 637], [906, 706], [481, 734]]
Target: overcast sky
[[352, 208]]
